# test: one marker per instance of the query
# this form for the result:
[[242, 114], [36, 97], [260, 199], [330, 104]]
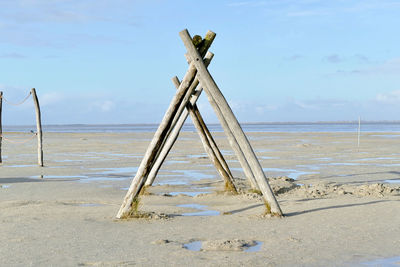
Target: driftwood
[[1, 125], [184, 103], [174, 111], [173, 135], [39, 127], [212, 89], [212, 151]]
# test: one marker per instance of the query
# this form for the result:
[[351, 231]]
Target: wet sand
[[342, 208]]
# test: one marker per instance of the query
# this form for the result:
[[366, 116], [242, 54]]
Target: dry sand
[[342, 209]]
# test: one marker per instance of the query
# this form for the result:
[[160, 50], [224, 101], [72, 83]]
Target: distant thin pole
[[1, 127], [39, 127], [359, 132]]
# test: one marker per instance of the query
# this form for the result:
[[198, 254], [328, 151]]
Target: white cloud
[[389, 98], [107, 106]]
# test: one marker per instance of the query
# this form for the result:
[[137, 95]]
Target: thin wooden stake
[[212, 151], [172, 137], [167, 124], [211, 87], [39, 127], [202, 128], [1, 125], [359, 132]]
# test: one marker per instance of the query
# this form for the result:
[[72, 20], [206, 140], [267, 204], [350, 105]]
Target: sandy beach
[[341, 203]]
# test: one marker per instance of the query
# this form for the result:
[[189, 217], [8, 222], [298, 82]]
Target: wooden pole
[[201, 129], [1, 125], [206, 140], [172, 137], [160, 136], [359, 132], [168, 145], [39, 127], [211, 88]]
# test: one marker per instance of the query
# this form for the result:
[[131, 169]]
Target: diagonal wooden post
[[172, 137], [212, 89], [39, 127], [212, 151], [174, 111]]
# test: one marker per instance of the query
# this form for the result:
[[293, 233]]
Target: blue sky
[[98, 61]]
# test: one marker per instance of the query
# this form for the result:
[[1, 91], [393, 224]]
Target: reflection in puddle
[[20, 166], [97, 179], [170, 162], [395, 261], [203, 155], [193, 246], [294, 174], [197, 245], [291, 173], [255, 248], [379, 158], [184, 177], [394, 181], [191, 194], [171, 182], [324, 159], [343, 164], [266, 157], [203, 211], [5, 186], [387, 135]]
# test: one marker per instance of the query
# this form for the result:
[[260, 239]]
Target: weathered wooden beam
[[212, 142], [206, 141], [173, 135], [160, 136], [38, 127], [1, 125], [211, 88], [212, 153]]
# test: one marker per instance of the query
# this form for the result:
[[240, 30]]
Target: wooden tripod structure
[[183, 104]]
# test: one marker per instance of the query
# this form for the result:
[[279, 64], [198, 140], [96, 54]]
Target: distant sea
[[247, 127]]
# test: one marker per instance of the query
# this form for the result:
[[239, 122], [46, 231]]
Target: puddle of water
[[387, 165], [71, 177], [20, 166], [196, 246], [396, 181], [5, 186], [255, 248], [191, 194], [203, 211], [324, 159], [395, 261], [311, 167], [266, 157], [170, 162], [99, 179], [344, 164], [171, 182], [294, 174], [387, 135], [193, 246], [379, 158], [197, 155]]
